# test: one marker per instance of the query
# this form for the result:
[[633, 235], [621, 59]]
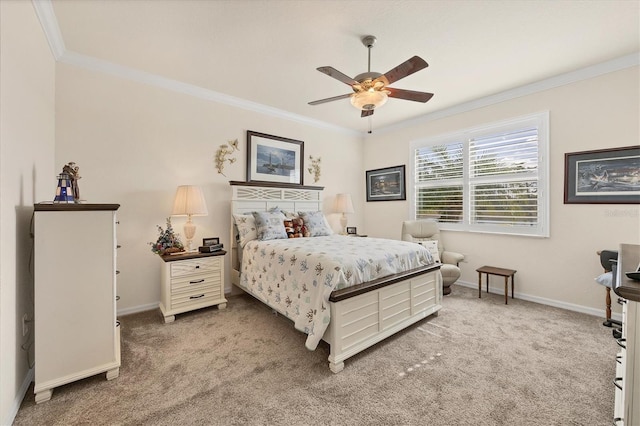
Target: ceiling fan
[[371, 89]]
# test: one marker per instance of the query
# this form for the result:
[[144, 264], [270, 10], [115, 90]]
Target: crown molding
[[49, 23], [106, 67], [628, 61]]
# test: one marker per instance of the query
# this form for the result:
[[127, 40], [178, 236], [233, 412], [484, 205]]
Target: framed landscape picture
[[274, 159], [605, 176], [386, 184]]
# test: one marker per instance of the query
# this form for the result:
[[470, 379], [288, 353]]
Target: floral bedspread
[[296, 276]]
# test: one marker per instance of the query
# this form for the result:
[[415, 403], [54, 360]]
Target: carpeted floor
[[478, 363]]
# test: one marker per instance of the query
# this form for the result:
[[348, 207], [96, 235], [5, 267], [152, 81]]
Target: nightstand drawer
[[196, 266], [194, 282], [207, 296]]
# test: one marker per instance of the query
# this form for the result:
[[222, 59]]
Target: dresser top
[[67, 207], [628, 259]]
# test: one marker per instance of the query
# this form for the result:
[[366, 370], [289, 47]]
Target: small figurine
[[73, 172]]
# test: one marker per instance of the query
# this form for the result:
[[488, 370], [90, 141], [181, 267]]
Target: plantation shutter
[[439, 174], [492, 178], [503, 179]]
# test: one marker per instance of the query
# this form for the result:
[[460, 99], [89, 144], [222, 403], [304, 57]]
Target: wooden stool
[[492, 270]]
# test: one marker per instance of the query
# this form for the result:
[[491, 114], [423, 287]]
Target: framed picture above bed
[[386, 184], [274, 159], [605, 176]]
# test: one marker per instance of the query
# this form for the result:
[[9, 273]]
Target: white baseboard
[[28, 378], [544, 301], [139, 308]]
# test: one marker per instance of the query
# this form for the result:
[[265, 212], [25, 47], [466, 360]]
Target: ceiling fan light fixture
[[368, 100]]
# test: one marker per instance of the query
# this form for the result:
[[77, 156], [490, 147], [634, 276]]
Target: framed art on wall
[[386, 184], [274, 159], [605, 176]]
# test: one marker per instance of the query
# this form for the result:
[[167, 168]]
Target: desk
[[492, 270]]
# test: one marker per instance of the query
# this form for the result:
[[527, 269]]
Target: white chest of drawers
[[627, 380], [191, 281], [76, 332]]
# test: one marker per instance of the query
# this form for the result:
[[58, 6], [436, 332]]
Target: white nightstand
[[191, 281]]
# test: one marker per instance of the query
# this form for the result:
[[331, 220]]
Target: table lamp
[[189, 201], [344, 206]]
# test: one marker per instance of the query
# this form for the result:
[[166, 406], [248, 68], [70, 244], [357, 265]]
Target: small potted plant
[[168, 241]]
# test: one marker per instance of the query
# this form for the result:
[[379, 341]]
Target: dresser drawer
[[196, 266]]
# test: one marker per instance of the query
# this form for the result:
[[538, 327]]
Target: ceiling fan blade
[[335, 98], [409, 95], [366, 113], [332, 72], [404, 69]]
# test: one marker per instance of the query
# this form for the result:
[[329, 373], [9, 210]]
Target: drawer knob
[[197, 281], [196, 297]]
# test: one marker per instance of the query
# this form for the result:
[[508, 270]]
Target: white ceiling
[[267, 51]]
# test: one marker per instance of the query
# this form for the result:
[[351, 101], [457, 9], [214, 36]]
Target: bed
[[351, 292]]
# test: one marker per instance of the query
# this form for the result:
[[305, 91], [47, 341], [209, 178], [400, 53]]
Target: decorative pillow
[[432, 246], [270, 225], [246, 225], [605, 279], [316, 224]]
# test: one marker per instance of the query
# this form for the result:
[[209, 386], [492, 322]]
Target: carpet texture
[[478, 362]]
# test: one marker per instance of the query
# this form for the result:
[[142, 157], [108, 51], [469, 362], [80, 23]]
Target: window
[[489, 179]]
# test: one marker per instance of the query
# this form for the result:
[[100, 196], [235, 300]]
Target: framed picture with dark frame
[[352, 230], [386, 184], [604, 176], [274, 159]]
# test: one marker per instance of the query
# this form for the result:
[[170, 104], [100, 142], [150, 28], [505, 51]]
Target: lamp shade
[[344, 204], [189, 201]]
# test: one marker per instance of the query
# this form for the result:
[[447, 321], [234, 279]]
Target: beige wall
[[135, 143], [601, 112], [26, 174]]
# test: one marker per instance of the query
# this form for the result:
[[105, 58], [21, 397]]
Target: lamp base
[[189, 232], [343, 223]]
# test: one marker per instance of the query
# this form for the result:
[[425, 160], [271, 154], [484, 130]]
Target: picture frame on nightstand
[[352, 230], [210, 241]]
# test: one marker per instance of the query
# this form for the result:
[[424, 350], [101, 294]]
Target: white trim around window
[[492, 178]]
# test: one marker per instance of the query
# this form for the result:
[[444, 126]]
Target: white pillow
[[432, 246], [246, 225], [270, 225], [316, 223]]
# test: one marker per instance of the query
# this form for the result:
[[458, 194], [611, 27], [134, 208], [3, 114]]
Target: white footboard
[[364, 320]]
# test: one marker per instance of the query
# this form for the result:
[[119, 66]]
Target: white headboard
[[250, 197]]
